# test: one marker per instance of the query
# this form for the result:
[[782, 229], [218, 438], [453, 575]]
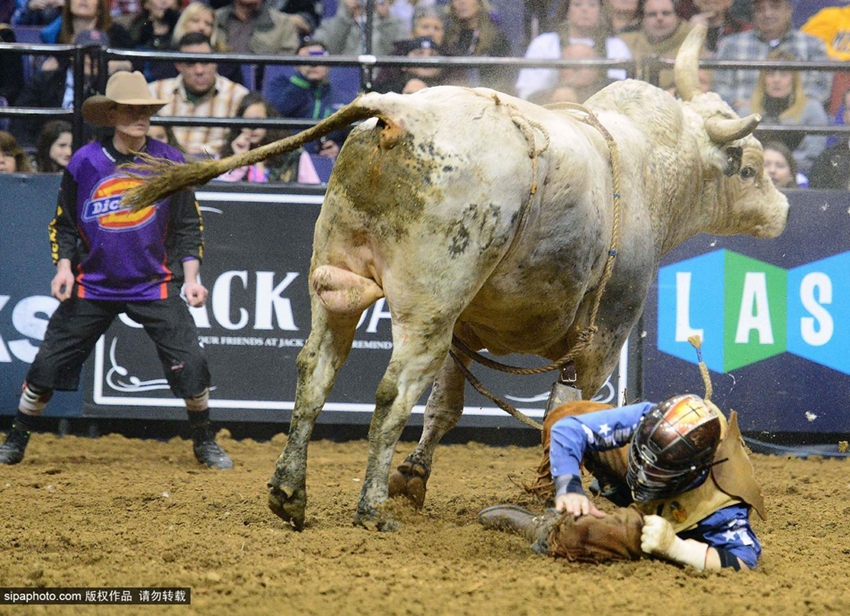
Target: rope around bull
[[585, 337]]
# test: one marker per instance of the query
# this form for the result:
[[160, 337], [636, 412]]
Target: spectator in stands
[[396, 80], [81, 15], [406, 10], [35, 12], [779, 98], [623, 15], [831, 169], [196, 17], [344, 33], [574, 85], [428, 21], [472, 31], [716, 16], [53, 86], [295, 166], [581, 21], [780, 166], [306, 15], [54, 147], [771, 31], [251, 26], [152, 30], [11, 69], [309, 94], [164, 134], [13, 159], [198, 92], [662, 33], [832, 26]]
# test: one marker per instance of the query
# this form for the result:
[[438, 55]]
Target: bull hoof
[[289, 505], [374, 520], [409, 481]]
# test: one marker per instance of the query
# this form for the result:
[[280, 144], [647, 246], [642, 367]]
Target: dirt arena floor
[[118, 512]]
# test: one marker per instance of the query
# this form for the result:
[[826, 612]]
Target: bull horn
[[724, 130], [686, 67]]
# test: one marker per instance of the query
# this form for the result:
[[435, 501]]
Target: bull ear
[[733, 161], [686, 67], [724, 130]]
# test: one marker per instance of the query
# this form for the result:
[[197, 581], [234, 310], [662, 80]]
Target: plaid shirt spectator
[[221, 101], [735, 86]]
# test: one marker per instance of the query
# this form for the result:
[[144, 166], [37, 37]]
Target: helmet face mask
[[673, 448]]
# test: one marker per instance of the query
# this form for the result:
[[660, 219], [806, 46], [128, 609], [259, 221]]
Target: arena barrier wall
[[258, 246], [774, 315]]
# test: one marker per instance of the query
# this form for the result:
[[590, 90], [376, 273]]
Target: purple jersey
[[119, 254]]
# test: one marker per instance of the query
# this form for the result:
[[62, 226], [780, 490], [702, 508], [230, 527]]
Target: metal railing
[[650, 68]]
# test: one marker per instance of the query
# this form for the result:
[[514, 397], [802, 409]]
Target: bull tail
[[161, 178]]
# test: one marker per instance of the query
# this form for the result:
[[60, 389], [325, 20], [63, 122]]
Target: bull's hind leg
[[318, 363], [442, 412], [417, 356]]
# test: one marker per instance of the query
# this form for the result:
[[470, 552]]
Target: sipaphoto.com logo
[[747, 310]]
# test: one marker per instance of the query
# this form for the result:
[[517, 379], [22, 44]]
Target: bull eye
[[747, 173]]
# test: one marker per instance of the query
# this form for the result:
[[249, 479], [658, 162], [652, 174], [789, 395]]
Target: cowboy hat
[[123, 88]]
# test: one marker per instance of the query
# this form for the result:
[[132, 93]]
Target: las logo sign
[[746, 310]]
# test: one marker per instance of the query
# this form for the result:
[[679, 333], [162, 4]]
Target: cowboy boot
[[12, 451], [535, 528], [207, 451]]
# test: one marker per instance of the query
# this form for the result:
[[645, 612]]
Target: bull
[[483, 216]]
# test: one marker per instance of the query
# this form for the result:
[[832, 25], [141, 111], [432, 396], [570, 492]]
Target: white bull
[[481, 215]]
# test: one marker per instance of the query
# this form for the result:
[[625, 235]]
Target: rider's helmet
[[673, 447]]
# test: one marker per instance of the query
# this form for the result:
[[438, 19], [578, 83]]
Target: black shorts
[[77, 324]]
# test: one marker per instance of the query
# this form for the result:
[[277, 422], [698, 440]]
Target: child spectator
[[309, 94], [13, 159], [53, 149], [780, 166], [295, 166]]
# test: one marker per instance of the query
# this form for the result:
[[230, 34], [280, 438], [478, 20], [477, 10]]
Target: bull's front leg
[[318, 363], [416, 359], [442, 412]]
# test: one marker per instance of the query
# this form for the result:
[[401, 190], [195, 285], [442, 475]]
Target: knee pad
[[34, 399], [201, 402]]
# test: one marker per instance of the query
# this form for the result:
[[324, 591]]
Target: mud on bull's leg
[[442, 412], [416, 359], [318, 363]]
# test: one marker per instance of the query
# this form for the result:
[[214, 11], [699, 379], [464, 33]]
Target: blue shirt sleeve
[[729, 529], [599, 431]]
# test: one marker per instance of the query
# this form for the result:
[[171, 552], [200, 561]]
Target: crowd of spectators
[[628, 31]]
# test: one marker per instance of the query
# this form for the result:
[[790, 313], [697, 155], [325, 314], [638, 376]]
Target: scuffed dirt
[[119, 512]]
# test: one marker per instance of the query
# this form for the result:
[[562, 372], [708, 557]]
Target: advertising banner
[[258, 246], [27, 205], [774, 316], [257, 320]]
